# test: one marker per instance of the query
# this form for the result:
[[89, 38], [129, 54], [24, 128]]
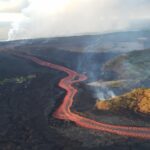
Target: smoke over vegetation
[[49, 18]]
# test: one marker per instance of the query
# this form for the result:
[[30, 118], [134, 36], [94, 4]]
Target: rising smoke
[[104, 93], [49, 18]]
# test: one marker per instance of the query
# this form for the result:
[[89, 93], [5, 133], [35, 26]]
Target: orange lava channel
[[64, 112]]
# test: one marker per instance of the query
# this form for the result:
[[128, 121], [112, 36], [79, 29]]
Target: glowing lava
[[64, 112]]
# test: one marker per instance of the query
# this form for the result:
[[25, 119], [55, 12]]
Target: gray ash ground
[[26, 108]]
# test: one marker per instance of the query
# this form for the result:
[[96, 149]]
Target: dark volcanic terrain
[[29, 93]]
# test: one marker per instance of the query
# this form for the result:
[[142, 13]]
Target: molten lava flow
[[64, 112]]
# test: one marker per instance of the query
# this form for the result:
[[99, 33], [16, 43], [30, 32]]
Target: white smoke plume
[[103, 93], [49, 18]]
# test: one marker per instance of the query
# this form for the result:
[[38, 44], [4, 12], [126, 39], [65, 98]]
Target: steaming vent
[[104, 93]]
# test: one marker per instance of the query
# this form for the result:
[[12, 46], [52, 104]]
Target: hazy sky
[[47, 18]]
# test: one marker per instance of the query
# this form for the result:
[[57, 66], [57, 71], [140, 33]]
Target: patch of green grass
[[17, 80]]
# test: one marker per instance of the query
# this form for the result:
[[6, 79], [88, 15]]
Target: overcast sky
[[21, 19]]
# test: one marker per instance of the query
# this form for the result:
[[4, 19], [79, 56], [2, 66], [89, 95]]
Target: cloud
[[49, 18], [12, 5], [4, 27]]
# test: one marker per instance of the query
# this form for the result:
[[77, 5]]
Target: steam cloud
[[104, 94], [49, 18]]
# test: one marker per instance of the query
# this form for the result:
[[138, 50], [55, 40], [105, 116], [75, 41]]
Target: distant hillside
[[124, 73], [120, 41], [132, 65]]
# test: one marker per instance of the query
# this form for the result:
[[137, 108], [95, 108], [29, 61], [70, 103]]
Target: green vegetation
[[136, 100], [17, 80], [133, 65]]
